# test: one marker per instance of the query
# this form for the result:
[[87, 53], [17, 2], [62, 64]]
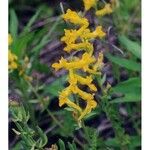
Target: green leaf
[[131, 46], [131, 89], [19, 114], [92, 114], [69, 124], [21, 43], [126, 63], [43, 68], [93, 138], [55, 87], [74, 145], [103, 79], [13, 24], [32, 20], [69, 109], [17, 146], [25, 134], [130, 97], [61, 145], [43, 138], [127, 85], [111, 142], [134, 142], [70, 146], [39, 46]]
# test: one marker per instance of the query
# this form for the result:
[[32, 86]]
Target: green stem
[[76, 140], [54, 118], [86, 133], [114, 117], [28, 107], [41, 99]]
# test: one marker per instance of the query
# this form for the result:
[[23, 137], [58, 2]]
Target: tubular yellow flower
[[86, 81], [72, 78], [84, 35], [80, 39], [73, 105], [97, 33], [74, 18], [106, 10], [84, 95], [89, 3], [85, 61], [90, 105], [63, 96], [80, 46], [70, 36]]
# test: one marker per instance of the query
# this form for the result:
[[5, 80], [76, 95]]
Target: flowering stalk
[[14, 62], [79, 39], [12, 58]]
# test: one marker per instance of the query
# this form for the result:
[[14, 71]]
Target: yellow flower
[[99, 64], [90, 105], [63, 96], [83, 34], [10, 40], [70, 36], [73, 105], [97, 33], [60, 65], [89, 70], [12, 60], [89, 3], [86, 81], [85, 61], [84, 95], [106, 10], [80, 46], [80, 39], [74, 18], [63, 99], [13, 64]]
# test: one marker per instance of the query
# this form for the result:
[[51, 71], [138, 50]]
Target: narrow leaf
[[61, 145], [126, 63], [131, 46], [13, 24]]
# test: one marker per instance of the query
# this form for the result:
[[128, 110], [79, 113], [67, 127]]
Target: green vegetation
[[36, 121]]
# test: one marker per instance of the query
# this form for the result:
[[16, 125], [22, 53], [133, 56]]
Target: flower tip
[[56, 66], [10, 39]]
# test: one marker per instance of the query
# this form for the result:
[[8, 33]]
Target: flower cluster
[[106, 10], [12, 58], [89, 3], [14, 62], [92, 3], [80, 40]]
